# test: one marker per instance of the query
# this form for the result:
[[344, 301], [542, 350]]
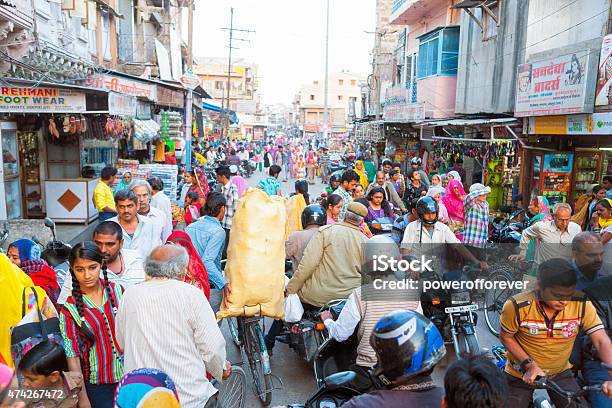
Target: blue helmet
[[406, 344]]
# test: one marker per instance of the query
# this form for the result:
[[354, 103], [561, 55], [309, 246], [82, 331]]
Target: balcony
[[408, 12], [17, 12]]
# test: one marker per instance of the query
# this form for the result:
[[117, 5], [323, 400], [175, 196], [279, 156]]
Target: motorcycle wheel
[[468, 344]]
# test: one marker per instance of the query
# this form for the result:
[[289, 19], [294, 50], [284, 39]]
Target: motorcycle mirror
[[49, 223], [337, 380]]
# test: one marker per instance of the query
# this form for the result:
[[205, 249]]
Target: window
[[219, 85], [312, 97], [438, 53], [106, 46], [340, 82], [340, 97], [353, 82]]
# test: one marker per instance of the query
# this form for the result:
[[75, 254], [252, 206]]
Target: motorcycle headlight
[[460, 298]]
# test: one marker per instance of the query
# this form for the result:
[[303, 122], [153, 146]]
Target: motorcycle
[[453, 312], [336, 163], [332, 392], [55, 252], [306, 336], [382, 225], [245, 168], [505, 233]]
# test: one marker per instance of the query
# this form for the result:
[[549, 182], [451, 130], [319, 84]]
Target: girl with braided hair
[[87, 322]]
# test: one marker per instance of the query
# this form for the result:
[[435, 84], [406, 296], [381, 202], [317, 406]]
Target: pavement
[[297, 377]]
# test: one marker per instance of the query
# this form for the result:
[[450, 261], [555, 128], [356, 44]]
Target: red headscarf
[[196, 272], [200, 185]]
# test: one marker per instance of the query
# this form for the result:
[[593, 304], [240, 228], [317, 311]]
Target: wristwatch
[[523, 364]]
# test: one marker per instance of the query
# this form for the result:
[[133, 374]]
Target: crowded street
[[306, 204]]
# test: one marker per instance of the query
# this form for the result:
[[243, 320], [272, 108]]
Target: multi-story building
[[344, 96], [243, 96]]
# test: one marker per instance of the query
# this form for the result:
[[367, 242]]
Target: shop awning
[[212, 105], [468, 122]]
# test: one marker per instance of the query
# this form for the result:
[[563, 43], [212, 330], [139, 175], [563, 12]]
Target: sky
[[289, 39]]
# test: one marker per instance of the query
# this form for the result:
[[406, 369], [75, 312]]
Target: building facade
[[344, 96]]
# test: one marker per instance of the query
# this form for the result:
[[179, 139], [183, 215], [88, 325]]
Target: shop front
[[575, 152], [489, 149], [41, 129], [568, 141]]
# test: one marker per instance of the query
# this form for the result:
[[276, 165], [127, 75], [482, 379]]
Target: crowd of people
[[135, 306]]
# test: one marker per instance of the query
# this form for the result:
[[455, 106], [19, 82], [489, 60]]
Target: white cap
[[234, 169], [480, 187]]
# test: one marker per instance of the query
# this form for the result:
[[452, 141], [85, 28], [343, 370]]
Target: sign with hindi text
[[123, 86], [554, 86]]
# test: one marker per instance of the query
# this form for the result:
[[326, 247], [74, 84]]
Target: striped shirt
[[169, 325], [476, 227], [105, 362], [347, 198]]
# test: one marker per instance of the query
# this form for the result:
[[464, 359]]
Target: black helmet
[[406, 344], [415, 160], [314, 214], [301, 186], [427, 205]]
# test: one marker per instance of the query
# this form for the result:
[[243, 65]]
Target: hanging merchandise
[[65, 130], [494, 180], [146, 130], [171, 125]]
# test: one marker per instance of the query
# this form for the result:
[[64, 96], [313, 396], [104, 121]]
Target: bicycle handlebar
[[548, 384]]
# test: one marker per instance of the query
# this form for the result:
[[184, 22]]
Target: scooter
[[56, 252], [332, 392], [306, 336], [382, 225], [453, 312]]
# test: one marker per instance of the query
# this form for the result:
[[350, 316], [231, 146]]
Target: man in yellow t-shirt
[[539, 327], [103, 197]]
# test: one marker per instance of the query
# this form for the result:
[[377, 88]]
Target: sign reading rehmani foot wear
[[41, 100]]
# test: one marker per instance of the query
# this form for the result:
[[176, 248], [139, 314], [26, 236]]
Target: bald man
[[390, 192], [167, 324]]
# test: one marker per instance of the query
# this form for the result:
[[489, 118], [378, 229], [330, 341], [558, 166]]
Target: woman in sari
[[311, 165], [363, 175], [125, 183], [301, 168], [453, 201], [26, 254], [259, 158], [196, 272], [199, 185]]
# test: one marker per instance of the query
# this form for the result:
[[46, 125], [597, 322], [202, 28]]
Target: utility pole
[[325, 96], [231, 29], [189, 99]]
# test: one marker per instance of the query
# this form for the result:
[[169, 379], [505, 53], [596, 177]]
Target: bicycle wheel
[[232, 323], [494, 300], [232, 391], [258, 360]]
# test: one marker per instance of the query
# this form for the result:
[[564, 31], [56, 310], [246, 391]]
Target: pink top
[[240, 183]]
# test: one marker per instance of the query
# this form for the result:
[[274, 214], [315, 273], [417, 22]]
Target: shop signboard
[[603, 96], [123, 86], [554, 86], [189, 80], [583, 124], [122, 105], [16, 99], [397, 108]]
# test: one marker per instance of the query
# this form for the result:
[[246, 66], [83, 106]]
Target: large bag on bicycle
[[255, 266]]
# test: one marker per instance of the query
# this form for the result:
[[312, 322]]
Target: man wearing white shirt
[[143, 192], [159, 199], [124, 266], [167, 324], [139, 233], [553, 238]]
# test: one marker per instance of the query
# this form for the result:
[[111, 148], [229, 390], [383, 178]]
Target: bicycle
[[570, 397], [255, 355], [232, 391], [495, 299]]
